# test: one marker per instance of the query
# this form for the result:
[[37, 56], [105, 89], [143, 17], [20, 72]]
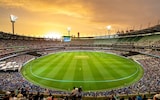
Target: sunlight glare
[[53, 35]]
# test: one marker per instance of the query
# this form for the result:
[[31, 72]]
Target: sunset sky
[[88, 17]]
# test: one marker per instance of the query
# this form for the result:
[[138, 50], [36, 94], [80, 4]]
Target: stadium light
[[69, 29], [108, 29], [13, 19]]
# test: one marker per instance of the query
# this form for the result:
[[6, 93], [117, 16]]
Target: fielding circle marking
[[55, 80]]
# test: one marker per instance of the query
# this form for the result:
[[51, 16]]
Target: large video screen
[[66, 38]]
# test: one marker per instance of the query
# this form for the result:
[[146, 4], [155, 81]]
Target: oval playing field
[[90, 70]]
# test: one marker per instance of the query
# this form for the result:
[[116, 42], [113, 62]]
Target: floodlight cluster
[[108, 27], [13, 18]]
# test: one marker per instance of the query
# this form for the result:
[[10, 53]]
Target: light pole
[[108, 29], [13, 19], [69, 30]]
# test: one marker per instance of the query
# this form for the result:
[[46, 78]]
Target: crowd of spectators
[[156, 44], [155, 52], [150, 82], [14, 63], [12, 46], [14, 83]]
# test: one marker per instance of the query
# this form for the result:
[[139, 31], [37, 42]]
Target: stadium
[[123, 65]]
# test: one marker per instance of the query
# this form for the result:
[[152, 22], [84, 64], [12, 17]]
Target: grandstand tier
[[142, 46]]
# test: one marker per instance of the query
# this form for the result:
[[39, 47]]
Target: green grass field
[[90, 70]]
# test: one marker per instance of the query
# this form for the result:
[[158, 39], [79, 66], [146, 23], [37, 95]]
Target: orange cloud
[[87, 17]]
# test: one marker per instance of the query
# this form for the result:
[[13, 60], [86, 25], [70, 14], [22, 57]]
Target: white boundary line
[[89, 81]]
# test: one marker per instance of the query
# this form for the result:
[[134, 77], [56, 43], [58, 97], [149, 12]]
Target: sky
[[88, 17]]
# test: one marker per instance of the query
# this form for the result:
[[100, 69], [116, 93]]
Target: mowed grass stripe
[[43, 60], [55, 67], [103, 66], [106, 66], [62, 69], [59, 64], [100, 58], [87, 74], [94, 69], [78, 74], [47, 65], [33, 79], [40, 63], [90, 66], [69, 75], [60, 72], [128, 67], [120, 73], [49, 72]]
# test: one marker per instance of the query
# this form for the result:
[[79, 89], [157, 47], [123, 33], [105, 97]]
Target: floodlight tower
[[13, 19], [108, 29], [69, 30]]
